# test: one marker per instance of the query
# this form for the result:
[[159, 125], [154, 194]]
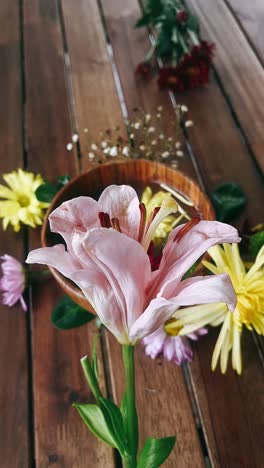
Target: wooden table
[[56, 76]]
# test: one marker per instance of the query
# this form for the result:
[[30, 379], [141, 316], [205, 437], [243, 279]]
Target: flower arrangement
[[186, 59], [131, 300]]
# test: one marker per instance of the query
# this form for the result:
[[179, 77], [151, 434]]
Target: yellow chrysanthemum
[[20, 204], [151, 202], [249, 287]]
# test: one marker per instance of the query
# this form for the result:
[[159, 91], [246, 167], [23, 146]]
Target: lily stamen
[[168, 207], [186, 228], [104, 219], [115, 224], [142, 224]]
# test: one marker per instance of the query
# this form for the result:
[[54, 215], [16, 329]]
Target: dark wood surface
[[62, 66]]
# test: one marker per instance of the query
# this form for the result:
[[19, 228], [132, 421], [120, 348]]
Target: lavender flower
[[12, 282], [172, 347]]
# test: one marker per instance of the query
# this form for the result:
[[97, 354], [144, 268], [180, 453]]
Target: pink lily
[[117, 207], [113, 270]]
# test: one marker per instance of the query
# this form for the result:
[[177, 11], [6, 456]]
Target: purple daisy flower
[[174, 348], [12, 282]]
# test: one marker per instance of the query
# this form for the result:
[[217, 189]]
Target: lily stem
[[130, 419]]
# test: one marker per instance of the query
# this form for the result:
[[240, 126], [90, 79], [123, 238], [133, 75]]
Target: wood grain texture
[[238, 67], [14, 428], [251, 18], [61, 439], [97, 105]]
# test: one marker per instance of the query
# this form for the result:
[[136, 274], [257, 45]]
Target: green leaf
[[256, 241], [67, 314], [114, 420], [94, 419], [164, 44], [63, 180], [143, 21], [46, 192], [229, 201], [94, 362], [154, 7], [191, 270], [193, 24], [123, 407], [155, 452]]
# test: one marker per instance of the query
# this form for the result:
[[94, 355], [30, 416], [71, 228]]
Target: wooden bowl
[[131, 172]]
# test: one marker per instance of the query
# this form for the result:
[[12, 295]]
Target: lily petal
[[155, 315], [55, 257], [179, 256], [101, 296], [121, 201], [206, 289], [80, 213], [128, 276]]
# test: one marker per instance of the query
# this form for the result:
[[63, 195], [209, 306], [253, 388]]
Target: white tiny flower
[[158, 116], [170, 139], [165, 154], [107, 150], [161, 136], [147, 117], [91, 155], [154, 142], [180, 154], [113, 151], [132, 136], [174, 165], [160, 109], [177, 144], [69, 146], [85, 130], [125, 151], [184, 108], [104, 144], [94, 147], [142, 148], [188, 123], [137, 125], [151, 130], [75, 138]]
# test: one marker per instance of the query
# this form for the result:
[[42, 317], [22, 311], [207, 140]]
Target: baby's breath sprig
[[147, 138]]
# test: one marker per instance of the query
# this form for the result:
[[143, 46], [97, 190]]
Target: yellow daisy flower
[[19, 203], [151, 202], [249, 287]]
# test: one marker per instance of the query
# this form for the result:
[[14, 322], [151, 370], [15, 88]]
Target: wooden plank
[[61, 437], [220, 151], [250, 17], [14, 429], [95, 96], [238, 67]]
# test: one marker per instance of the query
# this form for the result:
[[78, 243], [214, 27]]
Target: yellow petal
[[7, 193], [8, 208], [236, 351]]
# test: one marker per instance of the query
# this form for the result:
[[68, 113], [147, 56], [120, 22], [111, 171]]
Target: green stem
[[150, 52], [131, 420]]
